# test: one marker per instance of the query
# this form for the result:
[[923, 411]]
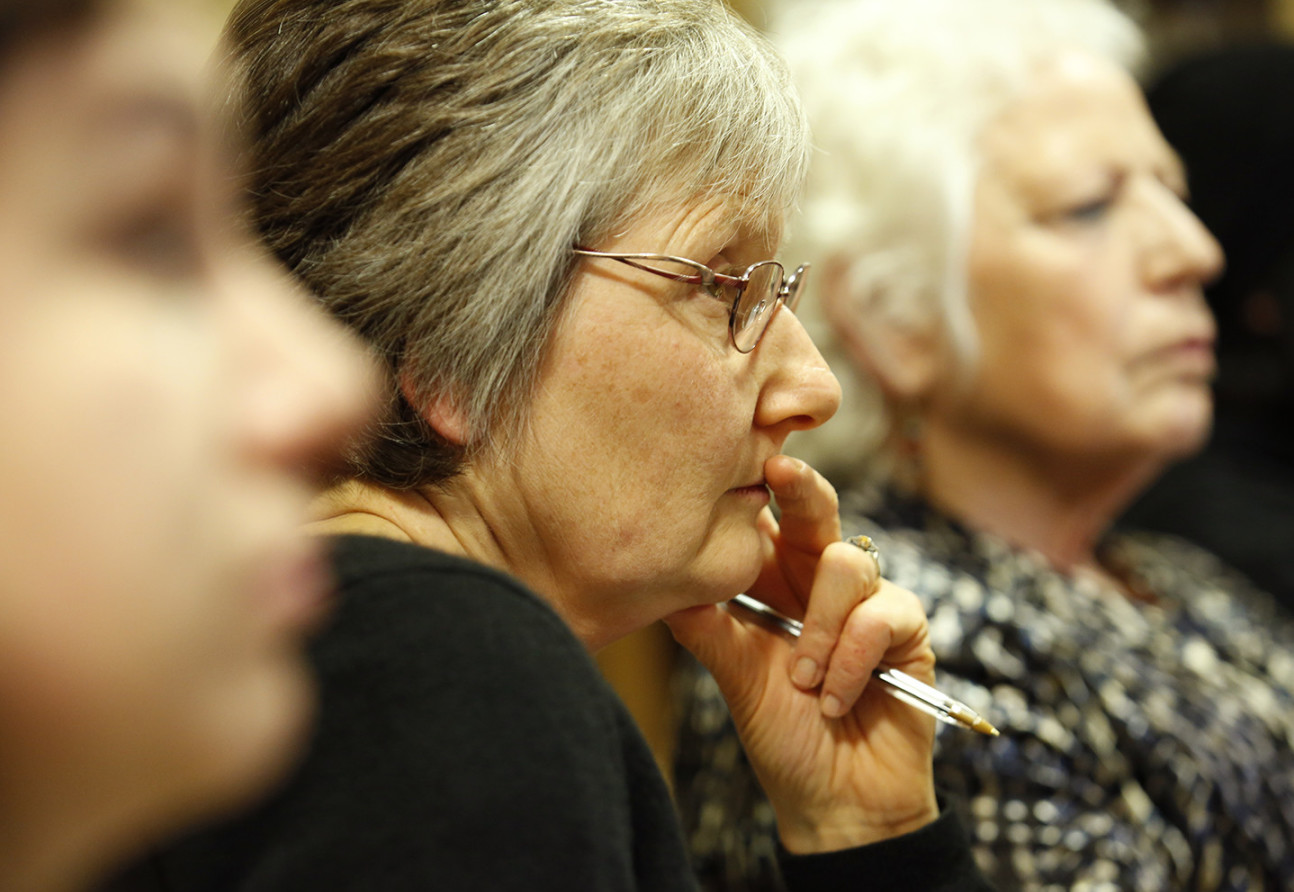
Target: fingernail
[[806, 673], [832, 708]]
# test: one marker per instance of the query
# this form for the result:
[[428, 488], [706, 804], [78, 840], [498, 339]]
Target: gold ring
[[867, 545]]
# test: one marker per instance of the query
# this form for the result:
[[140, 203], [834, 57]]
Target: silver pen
[[897, 684]]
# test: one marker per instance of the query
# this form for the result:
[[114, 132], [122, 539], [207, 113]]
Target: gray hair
[[898, 93], [426, 166]]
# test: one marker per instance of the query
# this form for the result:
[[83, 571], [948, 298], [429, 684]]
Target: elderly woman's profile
[[1005, 257], [558, 224]]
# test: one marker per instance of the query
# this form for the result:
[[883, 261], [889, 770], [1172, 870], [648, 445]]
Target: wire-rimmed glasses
[[755, 294]]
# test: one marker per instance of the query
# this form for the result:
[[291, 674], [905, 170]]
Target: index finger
[[809, 518]]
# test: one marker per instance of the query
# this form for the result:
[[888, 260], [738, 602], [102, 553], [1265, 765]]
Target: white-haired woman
[[555, 221], [1005, 257]]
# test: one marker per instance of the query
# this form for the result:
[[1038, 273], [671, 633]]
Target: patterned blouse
[[1146, 743]]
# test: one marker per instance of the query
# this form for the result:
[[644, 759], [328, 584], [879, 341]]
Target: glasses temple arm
[[705, 276]]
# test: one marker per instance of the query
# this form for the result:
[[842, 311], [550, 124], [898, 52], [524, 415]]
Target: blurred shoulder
[[1198, 580]]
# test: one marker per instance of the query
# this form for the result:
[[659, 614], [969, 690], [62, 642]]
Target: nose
[[798, 391], [1180, 252], [308, 386]]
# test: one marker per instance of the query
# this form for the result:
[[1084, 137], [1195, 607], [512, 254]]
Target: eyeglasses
[[755, 294]]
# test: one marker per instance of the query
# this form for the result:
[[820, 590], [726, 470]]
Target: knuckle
[[850, 667], [903, 598], [817, 641], [853, 564], [867, 629]]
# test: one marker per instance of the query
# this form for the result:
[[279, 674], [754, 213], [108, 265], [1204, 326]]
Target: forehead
[[75, 104], [128, 49], [1080, 113]]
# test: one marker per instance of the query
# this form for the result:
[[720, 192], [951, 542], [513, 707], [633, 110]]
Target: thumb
[[698, 628], [736, 654]]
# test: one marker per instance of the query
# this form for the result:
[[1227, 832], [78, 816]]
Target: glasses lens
[[756, 305]]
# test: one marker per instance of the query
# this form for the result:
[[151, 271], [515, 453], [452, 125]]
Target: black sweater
[[467, 741]]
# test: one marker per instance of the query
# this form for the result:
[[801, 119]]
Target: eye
[[159, 241], [1089, 211]]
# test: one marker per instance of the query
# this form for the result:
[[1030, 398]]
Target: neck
[[357, 507], [455, 519], [1057, 505]]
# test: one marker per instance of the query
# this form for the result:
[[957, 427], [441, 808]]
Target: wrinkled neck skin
[[459, 519], [1059, 506]]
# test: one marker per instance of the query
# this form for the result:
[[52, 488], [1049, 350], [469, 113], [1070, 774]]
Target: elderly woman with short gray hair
[[555, 222], [1007, 261]]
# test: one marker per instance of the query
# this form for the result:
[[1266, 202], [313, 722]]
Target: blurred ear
[[906, 364], [441, 412]]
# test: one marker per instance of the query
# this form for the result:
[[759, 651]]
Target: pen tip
[[984, 727]]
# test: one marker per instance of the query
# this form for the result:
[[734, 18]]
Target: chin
[[746, 562], [727, 564], [226, 761], [1187, 431], [721, 582], [254, 739]]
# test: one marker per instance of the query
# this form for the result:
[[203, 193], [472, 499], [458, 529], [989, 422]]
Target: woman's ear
[[906, 364], [440, 411]]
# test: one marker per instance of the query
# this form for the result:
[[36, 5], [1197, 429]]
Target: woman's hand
[[842, 762]]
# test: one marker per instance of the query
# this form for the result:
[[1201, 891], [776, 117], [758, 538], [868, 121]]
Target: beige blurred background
[[639, 666]]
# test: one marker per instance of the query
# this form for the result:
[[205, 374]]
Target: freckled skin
[[645, 421]]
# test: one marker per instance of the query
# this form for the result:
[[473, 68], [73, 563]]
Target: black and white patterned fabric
[[1148, 742]]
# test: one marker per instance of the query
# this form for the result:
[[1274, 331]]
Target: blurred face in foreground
[[1086, 270], [164, 397]]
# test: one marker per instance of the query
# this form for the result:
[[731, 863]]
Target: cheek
[[1055, 322], [109, 442], [108, 487], [657, 401], [127, 634], [1054, 358], [636, 441]]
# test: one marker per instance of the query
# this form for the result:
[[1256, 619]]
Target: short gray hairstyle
[[898, 93], [426, 166]]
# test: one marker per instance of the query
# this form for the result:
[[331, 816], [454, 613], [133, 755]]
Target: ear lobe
[[905, 364], [441, 412]]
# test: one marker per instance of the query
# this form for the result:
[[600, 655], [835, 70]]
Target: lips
[[756, 493], [1193, 356], [1186, 347], [295, 586]]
